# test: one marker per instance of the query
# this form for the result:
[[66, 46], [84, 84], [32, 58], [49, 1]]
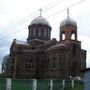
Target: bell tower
[[75, 56], [68, 29]]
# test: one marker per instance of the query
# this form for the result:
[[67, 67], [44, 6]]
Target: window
[[34, 31], [48, 60], [48, 33], [39, 31], [30, 33], [74, 49], [63, 36], [11, 70], [45, 32], [28, 63], [73, 36], [53, 65]]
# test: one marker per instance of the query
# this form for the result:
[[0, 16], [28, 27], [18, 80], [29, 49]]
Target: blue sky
[[16, 15]]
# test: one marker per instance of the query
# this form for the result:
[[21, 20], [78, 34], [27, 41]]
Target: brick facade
[[44, 58]]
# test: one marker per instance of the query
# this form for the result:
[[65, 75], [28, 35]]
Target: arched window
[[30, 32], [48, 33], [11, 70], [28, 63], [63, 36], [73, 36], [54, 63], [39, 32], [74, 49], [48, 60], [45, 32], [34, 31]]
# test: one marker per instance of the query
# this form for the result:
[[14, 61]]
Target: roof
[[36, 39], [40, 20], [21, 42], [56, 46], [68, 21], [50, 41]]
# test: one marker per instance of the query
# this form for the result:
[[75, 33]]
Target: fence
[[22, 84], [2, 84]]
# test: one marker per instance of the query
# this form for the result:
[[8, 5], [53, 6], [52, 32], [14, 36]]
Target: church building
[[41, 57]]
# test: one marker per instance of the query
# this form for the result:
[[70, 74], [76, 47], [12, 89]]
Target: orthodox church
[[41, 57]]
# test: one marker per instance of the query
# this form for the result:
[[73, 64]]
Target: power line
[[26, 19], [75, 4], [47, 7], [52, 6], [23, 20], [72, 5], [57, 12]]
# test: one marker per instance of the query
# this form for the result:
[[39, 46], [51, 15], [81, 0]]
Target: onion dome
[[68, 21], [40, 20], [39, 28]]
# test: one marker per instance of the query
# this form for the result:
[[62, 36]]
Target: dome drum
[[40, 29]]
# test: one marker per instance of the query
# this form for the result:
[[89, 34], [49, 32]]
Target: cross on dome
[[68, 12], [40, 11]]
